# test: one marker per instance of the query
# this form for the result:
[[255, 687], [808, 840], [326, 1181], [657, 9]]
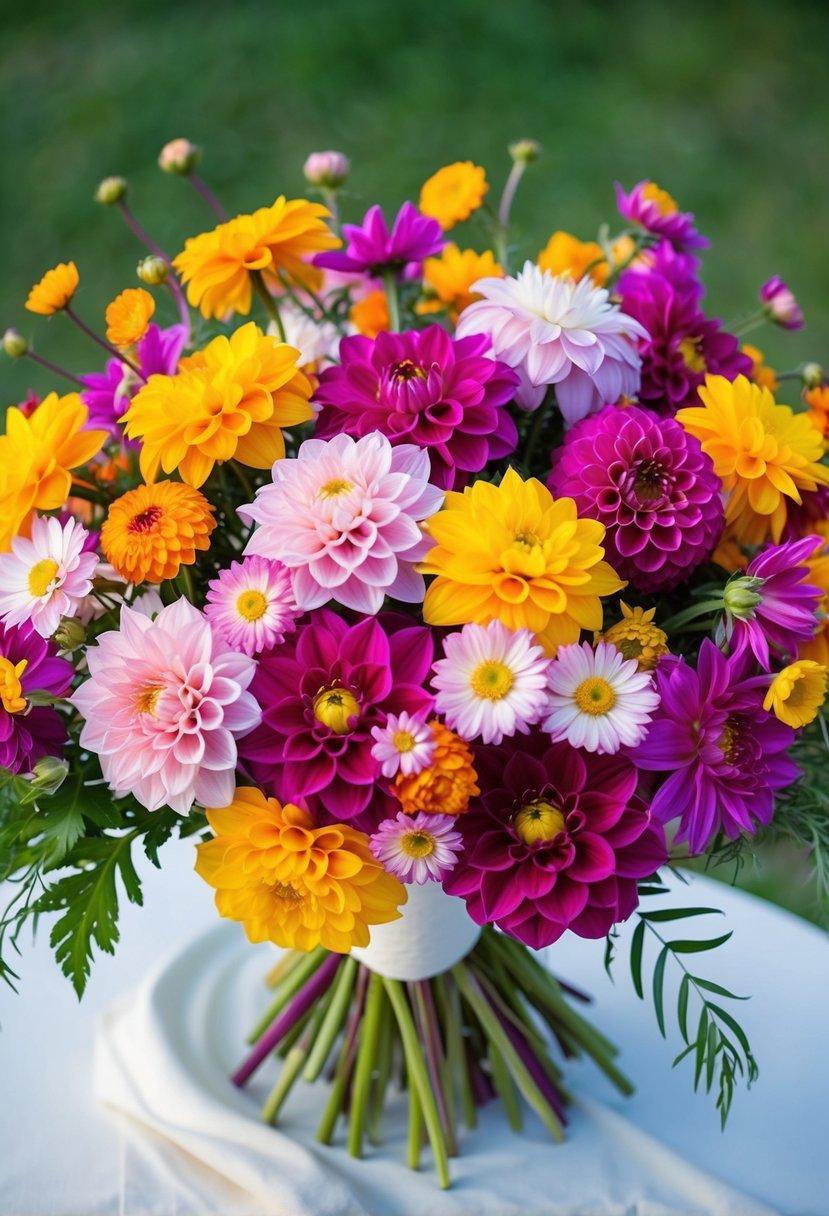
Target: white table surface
[[62, 1155]]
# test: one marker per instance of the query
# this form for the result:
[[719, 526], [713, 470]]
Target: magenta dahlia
[[723, 755], [371, 248], [423, 388], [322, 691], [29, 664], [651, 485], [557, 840], [654, 210]]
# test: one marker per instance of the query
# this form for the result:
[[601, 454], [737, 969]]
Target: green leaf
[[718, 989], [712, 1048], [668, 914], [686, 1051], [637, 945], [697, 947], [682, 1006], [702, 1039], [733, 1025], [609, 954], [658, 981]]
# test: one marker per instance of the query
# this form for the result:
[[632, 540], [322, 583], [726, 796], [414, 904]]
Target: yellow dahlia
[[128, 316], [291, 883], [36, 456], [764, 453], [453, 193], [636, 636], [55, 290], [448, 279], [228, 401], [565, 254], [152, 531], [797, 692], [513, 553], [445, 787], [216, 265], [370, 316]]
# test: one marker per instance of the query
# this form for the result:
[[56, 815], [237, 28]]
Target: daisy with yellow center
[[764, 453], [448, 279], [445, 787], [797, 692], [55, 290], [370, 315], [453, 193], [229, 401], [292, 883], [251, 605], [128, 317], [514, 553], [417, 848], [404, 745], [636, 637], [598, 700], [37, 454], [154, 530], [47, 576], [565, 254]]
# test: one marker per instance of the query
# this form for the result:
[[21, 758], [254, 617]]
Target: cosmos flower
[[151, 531], [598, 700], [417, 848], [655, 211], [404, 745], [29, 664], [371, 248], [47, 576], [251, 604]]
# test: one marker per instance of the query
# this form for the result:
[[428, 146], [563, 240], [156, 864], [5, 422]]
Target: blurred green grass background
[[723, 104]]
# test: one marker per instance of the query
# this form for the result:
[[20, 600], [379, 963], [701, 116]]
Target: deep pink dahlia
[[321, 693], [371, 248], [684, 345], [28, 664], [653, 488], [556, 841], [724, 755], [423, 388], [655, 211]]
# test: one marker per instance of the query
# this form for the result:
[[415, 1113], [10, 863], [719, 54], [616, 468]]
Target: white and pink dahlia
[[492, 681], [553, 330], [417, 848], [251, 604], [406, 744], [164, 705], [598, 700], [47, 576], [345, 518]]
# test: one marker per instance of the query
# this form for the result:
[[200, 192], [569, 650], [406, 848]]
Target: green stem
[[690, 614], [415, 1137], [300, 974], [112, 351], [536, 429], [392, 299], [268, 300], [335, 1016], [364, 1067], [451, 1006], [505, 1088], [385, 1055]]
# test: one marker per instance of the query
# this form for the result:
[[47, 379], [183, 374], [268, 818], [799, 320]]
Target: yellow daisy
[[453, 193], [448, 279]]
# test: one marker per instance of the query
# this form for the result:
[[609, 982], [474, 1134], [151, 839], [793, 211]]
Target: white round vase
[[434, 932]]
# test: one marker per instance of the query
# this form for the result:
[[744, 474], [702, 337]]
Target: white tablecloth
[[62, 1154]]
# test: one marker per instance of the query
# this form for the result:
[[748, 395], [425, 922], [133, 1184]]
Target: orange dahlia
[[448, 279], [292, 883], [371, 314], [445, 787], [453, 193], [565, 254], [152, 531], [128, 316], [817, 400], [55, 290]]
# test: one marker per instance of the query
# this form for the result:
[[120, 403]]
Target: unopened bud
[[70, 634], [153, 271], [48, 775], [525, 151], [179, 156], [813, 375], [328, 169], [741, 596], [111, 191], [780, 305], [14, 344]]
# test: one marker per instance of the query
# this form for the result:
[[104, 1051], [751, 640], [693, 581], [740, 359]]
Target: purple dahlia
[[321, 692], [371, 248], [557, 841], [107, 394], [423, 388], [683, 344], [724, 755], [28, 664], [653, 488], [655, 211]]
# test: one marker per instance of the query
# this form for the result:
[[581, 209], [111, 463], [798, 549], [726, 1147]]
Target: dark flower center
[[145, 521], [406, 370]]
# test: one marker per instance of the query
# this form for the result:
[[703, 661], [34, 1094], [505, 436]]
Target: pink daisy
[[47, 576], [164, 705], [252, 604], [345, 516], [417, 848], [492, 682], [404, 745], [598, 699]]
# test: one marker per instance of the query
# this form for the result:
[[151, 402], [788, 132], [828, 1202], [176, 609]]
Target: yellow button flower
[[55, 290], [636, 636], [565, 254], [453, 193], [128, 316], [797, 692], [448, 279]]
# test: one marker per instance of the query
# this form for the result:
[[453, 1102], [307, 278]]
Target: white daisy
[[492, 681], [598, 700], [46, 576]]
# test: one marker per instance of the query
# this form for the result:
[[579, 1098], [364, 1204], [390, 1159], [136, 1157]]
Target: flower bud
[[14, 344], [328, 169], [70, 634], [48, 775], [153, 271], [525, 151], [111, 191], [779, 304], [179, 156], [813, 375], [741, 596]]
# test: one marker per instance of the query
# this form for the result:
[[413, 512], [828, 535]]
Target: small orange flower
[[152, 531], [453, 193], [765, 376], [55, 290], [448, 279], [371, 314], [565, 254], [128, 316], [445, 787], [817, 400]]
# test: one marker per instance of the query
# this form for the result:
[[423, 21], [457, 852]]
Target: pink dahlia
[[557, 841], [653, 488], [344, 517], [723, 755], [29, 664], [554, 331], [164, 705], [322, 692], [655, 211], [417, 848], [251, 605], [681, 346], [48, 575], [423, 388]]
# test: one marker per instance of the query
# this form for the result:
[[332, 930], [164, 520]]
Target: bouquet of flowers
[[452, 606]]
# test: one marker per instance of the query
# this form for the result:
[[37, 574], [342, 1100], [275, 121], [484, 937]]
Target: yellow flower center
[[403, 740], [418, 844], [147, 699], [491, 680], [664, 203], [335, 487], [729, 740], [251, 605], [595, 696], [41, 575], [10, 691], [287, 892], [691, 351], [538, 820], [334, 707], [407, 370]]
